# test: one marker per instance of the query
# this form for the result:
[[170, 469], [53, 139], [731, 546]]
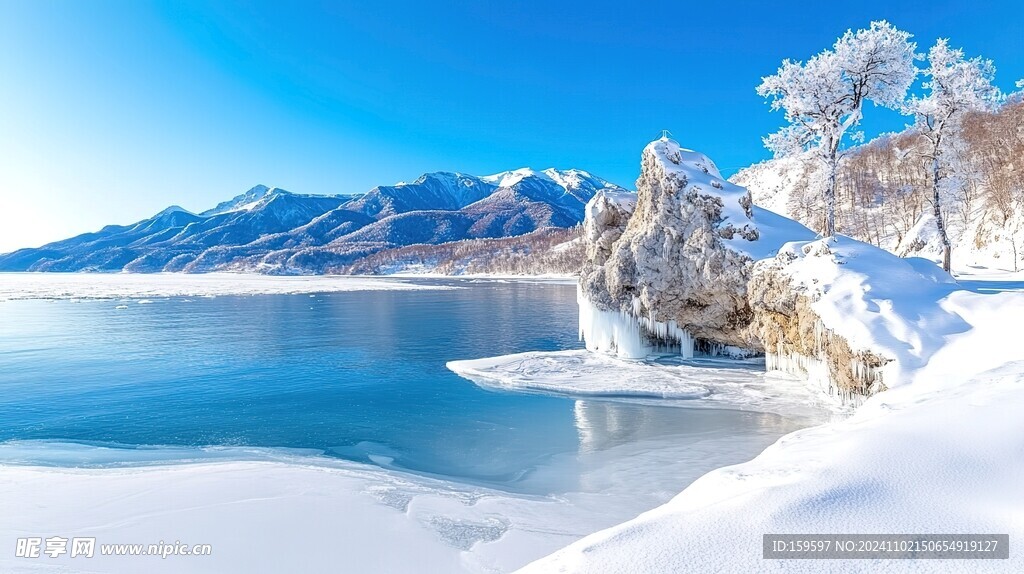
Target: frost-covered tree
[[955, 88], [824, 97]]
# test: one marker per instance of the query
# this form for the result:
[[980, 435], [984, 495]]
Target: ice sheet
[[699, 382]]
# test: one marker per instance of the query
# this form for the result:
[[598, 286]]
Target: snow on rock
[[605, 219], [849, 316], [677, 263], [694, 267]]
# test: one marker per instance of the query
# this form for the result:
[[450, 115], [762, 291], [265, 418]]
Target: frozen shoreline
[[897, 465], [20, 286], [274, 509]]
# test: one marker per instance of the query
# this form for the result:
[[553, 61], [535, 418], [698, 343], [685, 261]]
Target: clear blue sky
[[112, 110]]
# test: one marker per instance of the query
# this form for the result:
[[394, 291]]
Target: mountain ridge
[[272, 230]]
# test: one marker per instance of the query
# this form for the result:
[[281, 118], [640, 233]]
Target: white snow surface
[[772, 183], [15, 286], [258, 516], [939, 452], [569, 179]]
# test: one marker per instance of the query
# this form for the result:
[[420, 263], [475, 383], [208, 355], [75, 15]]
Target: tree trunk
[[830, 196], [937, 211]]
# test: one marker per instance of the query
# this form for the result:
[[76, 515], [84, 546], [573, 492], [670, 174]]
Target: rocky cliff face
[[694, 266]]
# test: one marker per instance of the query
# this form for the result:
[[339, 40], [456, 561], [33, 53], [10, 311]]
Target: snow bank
[[117, 285], [894, 467]]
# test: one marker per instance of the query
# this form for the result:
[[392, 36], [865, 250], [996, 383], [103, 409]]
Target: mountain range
[[271, 230]]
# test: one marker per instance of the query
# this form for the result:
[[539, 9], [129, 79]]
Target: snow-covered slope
[[440, 190], [778, 184]]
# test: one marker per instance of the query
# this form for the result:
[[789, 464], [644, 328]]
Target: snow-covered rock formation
[[674, 269], [696, 267]]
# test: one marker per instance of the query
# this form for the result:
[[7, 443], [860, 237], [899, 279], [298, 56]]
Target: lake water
[[354, 375]]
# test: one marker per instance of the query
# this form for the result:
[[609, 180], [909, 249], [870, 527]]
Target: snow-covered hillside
[[884, 193]]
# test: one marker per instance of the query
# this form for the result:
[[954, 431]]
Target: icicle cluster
[[630, 335], [867, 379]]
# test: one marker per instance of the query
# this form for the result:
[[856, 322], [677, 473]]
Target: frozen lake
[[350, 376]]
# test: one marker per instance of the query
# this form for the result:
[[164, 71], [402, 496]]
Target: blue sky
[[112, 110]]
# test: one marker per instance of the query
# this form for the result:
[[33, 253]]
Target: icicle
[[630, 335], [868, 379]]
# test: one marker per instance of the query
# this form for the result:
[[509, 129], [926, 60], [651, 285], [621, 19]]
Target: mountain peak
[[675, 158], [173, 209], [510, 178], [243, 201]]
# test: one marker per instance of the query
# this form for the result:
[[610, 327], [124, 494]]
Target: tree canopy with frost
[[823, 98], [956, 86]]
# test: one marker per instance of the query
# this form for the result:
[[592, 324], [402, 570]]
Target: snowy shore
[[15, 286], [273, 510], [939, 452]]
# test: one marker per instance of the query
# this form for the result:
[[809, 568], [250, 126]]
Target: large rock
[[679, 268]]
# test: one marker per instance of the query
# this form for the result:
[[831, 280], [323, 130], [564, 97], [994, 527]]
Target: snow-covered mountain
[[276, 231]]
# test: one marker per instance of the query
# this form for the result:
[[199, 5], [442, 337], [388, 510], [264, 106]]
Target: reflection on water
[[603, 425]]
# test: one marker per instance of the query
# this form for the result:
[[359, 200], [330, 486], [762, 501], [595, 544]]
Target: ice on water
[[702, 382]]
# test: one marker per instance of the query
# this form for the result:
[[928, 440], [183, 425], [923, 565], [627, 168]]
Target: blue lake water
[[355, 375]]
